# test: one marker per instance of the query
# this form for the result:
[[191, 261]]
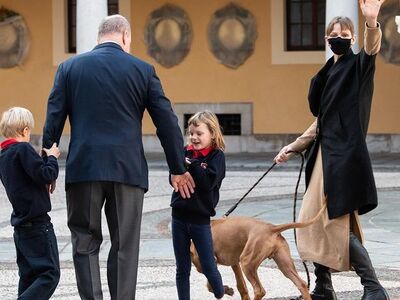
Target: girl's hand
[[283, 155], [370, 10]]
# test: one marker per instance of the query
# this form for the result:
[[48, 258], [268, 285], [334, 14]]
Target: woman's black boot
[[361, 263], [323, 284]]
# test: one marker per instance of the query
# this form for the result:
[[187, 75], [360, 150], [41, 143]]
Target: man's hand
[[52, 151], [184, 184], [51, 187], [370, 10]]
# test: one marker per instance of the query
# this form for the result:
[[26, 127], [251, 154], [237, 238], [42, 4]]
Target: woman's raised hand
[[370, 10]]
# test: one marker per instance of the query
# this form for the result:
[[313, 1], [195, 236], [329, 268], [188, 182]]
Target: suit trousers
[[123, 209]]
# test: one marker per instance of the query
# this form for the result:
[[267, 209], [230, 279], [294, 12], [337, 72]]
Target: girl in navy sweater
[[191, 217]]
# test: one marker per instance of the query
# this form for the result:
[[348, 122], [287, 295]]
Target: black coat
[[340, 95], [104, 93]]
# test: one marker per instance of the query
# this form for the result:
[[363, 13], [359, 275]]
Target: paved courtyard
[[272, 201]]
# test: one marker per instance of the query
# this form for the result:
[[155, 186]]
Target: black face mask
[[339, 45]]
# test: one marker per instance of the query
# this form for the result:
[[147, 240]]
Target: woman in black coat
[[338, 168]]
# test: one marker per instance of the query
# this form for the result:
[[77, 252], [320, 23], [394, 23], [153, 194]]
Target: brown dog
[[244, 243]]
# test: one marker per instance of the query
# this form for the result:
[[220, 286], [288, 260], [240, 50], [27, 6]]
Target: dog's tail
[[283, 227]]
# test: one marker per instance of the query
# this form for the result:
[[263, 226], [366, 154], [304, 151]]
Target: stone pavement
[[272, 201]]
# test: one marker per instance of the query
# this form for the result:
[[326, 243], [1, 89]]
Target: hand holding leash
[[284, 155]]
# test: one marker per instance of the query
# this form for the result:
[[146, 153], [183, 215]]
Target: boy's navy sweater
[[208, 173], [25, 175]]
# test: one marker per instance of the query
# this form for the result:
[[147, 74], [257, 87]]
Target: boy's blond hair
[[210, 119], [14, 120]]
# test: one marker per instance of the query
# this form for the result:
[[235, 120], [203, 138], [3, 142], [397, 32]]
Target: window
[[112, 9], [305, 25], [230, 123]]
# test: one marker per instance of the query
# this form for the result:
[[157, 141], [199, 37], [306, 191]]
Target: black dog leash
[[294, 216], [248, 192], [294, 202], [262, 177]]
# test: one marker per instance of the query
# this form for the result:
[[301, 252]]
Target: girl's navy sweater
[[208, 173]]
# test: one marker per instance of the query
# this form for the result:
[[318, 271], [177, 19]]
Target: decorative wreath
[[232, 34], [168, 35], [390, 49], [14, 42]]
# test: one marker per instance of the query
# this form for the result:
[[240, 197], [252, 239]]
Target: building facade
[[253, 68]]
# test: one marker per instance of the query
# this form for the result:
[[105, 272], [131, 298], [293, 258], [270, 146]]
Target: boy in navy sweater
[[28, 179]]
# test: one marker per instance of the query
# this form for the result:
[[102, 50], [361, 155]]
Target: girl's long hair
[[210, 119]]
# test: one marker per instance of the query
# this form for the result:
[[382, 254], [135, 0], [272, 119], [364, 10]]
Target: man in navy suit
[[104, 93]]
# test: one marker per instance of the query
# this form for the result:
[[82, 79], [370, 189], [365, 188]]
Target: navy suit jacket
[[104, 93]]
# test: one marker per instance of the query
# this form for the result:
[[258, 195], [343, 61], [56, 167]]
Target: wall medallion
[[168, 35], [14, 43], [390, 49], [232, 34]]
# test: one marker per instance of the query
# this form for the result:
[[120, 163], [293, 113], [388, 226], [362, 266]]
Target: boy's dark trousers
[[37, 259]]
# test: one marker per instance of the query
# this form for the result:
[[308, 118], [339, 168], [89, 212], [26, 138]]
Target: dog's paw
[[228, 290]]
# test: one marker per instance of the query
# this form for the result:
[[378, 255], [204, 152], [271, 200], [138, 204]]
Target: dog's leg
[[251, 274], [209, 287], [227, 289], [250, 260], [240, 282], [285, 263]]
